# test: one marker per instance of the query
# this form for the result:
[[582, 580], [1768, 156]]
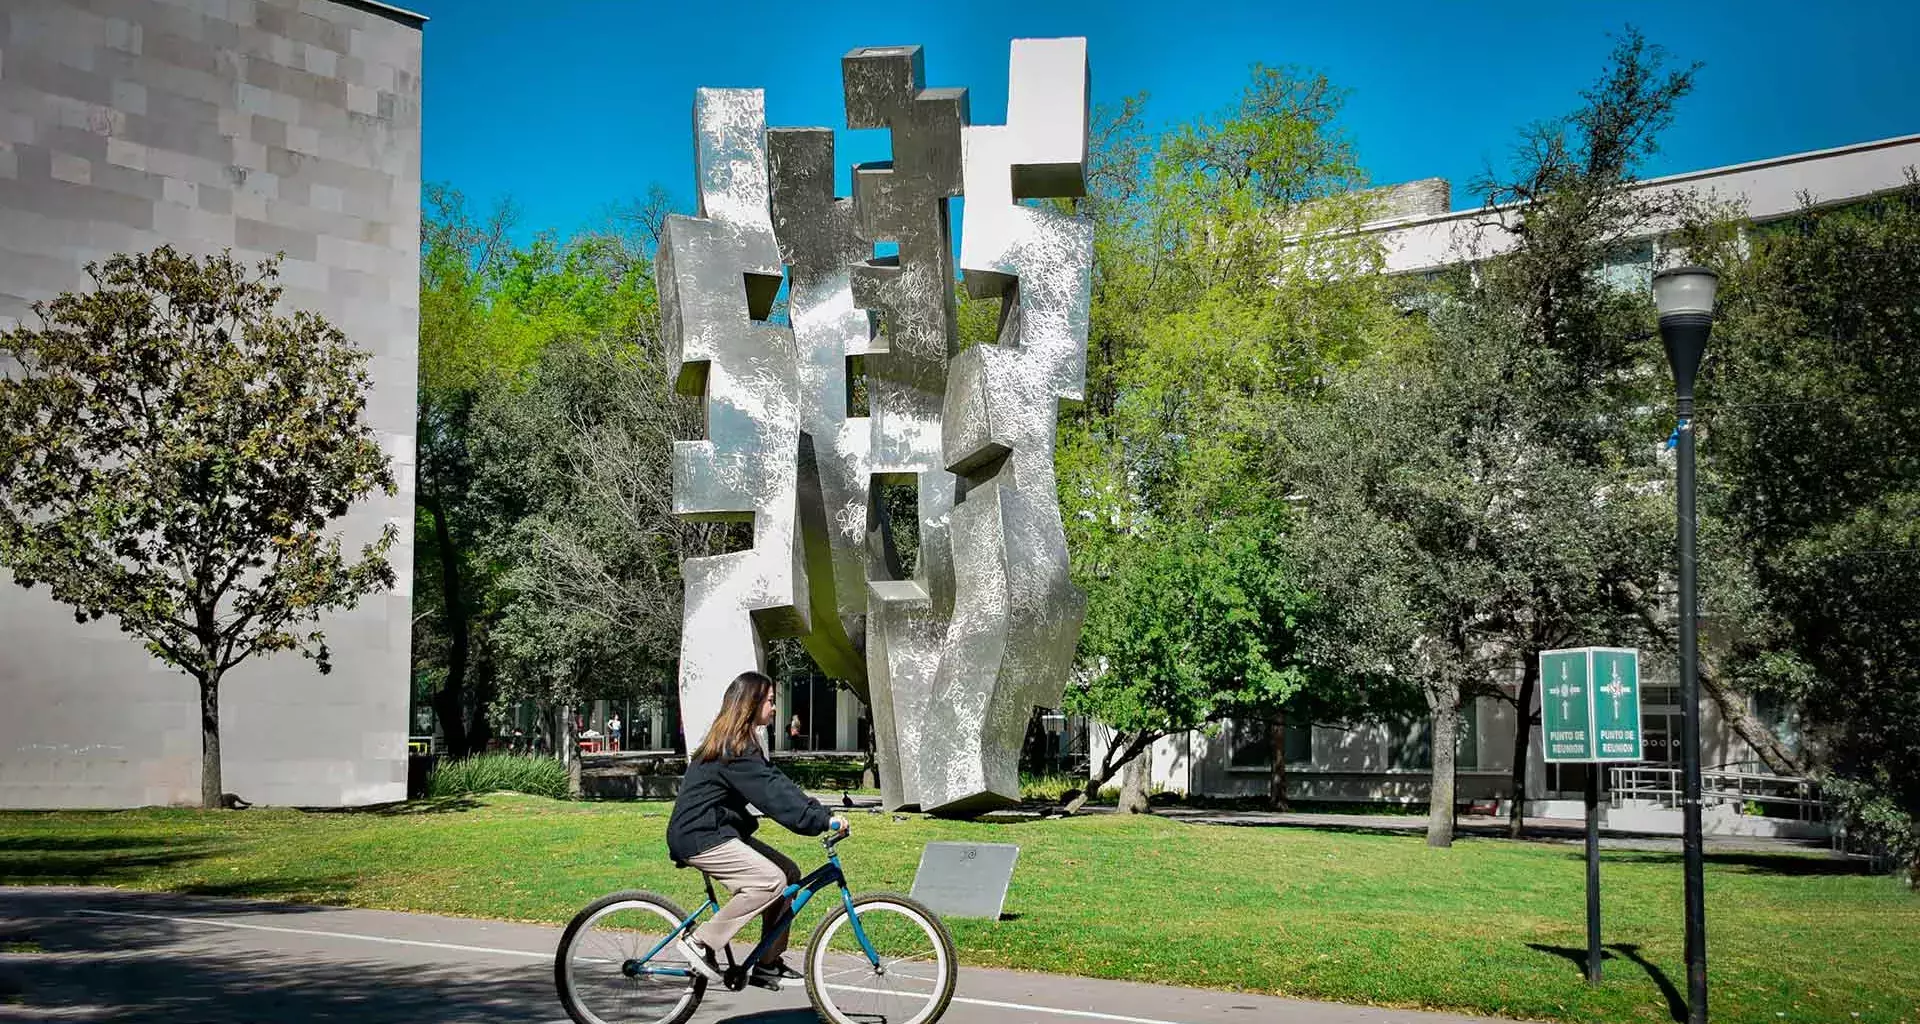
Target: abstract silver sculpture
[[819, 244], [718, 275], [911, 294], [954, 656], [1012, 640]]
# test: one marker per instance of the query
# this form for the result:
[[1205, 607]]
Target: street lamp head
[[1681, 290], [1684, 297]]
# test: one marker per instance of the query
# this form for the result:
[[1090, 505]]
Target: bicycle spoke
[[594, 968], [912, 979]]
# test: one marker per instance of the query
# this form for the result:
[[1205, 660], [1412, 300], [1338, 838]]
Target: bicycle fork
[[860, 933]]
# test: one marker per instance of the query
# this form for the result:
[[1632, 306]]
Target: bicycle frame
[[797, 895]]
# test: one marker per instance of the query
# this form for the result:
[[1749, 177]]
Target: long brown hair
[[736, 730]]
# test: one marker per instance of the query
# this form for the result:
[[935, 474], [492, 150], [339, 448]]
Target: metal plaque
[[965, 879]]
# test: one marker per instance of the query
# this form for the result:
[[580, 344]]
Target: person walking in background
[[794, 732], [613, 732]]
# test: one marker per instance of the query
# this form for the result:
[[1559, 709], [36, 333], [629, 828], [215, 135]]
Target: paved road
[[105, 955]]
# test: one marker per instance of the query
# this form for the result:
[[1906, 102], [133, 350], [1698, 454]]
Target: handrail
[[1662, 785]]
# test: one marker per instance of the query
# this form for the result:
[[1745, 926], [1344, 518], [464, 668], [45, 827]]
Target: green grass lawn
[[1488, 926]]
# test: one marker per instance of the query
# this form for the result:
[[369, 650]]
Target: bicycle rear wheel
[[602, 970], [913, 980]]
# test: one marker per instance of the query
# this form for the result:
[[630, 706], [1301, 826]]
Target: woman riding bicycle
[[711, 828]]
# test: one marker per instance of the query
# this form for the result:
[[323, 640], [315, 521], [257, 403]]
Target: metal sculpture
[[905, 202], [1012, 640], [819, 244], [959, 651], [718, 276]]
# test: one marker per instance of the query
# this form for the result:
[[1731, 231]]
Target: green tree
[[1196, 624], [572, 466], [1227, 281], [1447, 532], [1812, 442], [459, 257], [488, 310], [1570, 209], [175, 451]]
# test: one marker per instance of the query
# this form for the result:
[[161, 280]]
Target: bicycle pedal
[[770, 984]]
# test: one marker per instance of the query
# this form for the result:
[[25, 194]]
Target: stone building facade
[[263, 127]]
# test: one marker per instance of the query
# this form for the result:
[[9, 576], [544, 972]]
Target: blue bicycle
[[877, 958]]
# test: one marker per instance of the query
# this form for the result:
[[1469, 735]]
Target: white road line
[[993, 1003], [998, 1005]]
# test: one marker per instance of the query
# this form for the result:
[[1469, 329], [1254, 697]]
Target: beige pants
[[755, 874]]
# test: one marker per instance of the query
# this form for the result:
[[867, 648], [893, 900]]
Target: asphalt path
[[108, 955]]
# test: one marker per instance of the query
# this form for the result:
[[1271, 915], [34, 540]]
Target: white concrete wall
[[1770, 189]]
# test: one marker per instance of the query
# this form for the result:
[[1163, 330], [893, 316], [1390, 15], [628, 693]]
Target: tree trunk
[[870, 767], [449, 702], [1277, 775], [1446, 721], [1119, 755], [543, 724], [479, 729], [1766, 746], [1522, 741], [570, 751], [1133, 783], [210, 780]]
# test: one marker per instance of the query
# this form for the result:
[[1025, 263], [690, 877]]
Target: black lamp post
[[1684, 296]]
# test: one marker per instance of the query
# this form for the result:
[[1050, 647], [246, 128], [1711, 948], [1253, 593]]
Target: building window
[[1660, 737], [1411, 746], [1248, 745], [1567, 776], [1466, 747], [1299, 742]]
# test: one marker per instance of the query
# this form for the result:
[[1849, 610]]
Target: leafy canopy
[[174, 451]]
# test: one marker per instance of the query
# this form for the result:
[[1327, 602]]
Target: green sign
[[1616, 703], [1590, 704]]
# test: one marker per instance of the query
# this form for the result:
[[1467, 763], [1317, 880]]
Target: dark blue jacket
[[712, 805]]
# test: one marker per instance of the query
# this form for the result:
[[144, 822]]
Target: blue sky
[[568, 106]]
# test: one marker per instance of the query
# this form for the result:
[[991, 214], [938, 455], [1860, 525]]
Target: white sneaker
[[699, 957]]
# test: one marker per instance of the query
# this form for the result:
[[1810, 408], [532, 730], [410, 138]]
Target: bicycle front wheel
[[906, 977], [603, 972]]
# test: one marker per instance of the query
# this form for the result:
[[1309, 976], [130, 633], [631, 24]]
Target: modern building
[[260, 126], [1390, 764]]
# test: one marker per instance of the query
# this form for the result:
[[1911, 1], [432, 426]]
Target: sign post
[[1590, 714]]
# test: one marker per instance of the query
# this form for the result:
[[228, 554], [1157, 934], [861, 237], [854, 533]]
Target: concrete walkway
[[106, 955]]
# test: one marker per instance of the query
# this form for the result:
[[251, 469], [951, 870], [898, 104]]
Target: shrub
[[488, 773], [1058, 788], [823, 774]]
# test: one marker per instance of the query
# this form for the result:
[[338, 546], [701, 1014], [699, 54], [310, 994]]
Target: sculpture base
[[973, 806]]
